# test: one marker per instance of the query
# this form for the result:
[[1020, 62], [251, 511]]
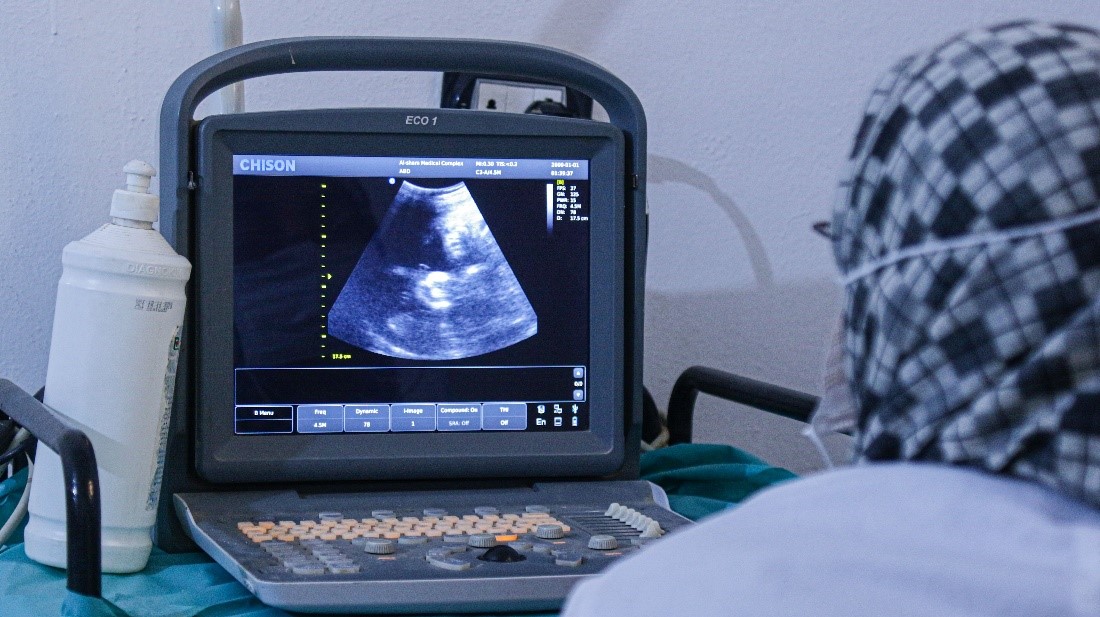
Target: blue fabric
[[170, 586], [76, 605], [699, 479]]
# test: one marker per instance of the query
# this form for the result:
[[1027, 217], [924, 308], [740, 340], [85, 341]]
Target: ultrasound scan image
[[432, 283]]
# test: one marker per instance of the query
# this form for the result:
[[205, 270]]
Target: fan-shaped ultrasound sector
[[432, 284]]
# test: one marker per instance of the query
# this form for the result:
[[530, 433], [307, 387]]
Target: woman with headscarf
[[967, 234]]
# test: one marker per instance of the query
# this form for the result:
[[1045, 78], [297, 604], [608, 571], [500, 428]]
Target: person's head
[[967, 233]]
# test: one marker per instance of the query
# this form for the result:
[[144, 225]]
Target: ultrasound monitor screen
[[403, 294]]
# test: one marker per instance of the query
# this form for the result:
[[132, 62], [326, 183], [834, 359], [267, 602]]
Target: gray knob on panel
[[482, 540], [549, 532], [602, 542], [379, 546]]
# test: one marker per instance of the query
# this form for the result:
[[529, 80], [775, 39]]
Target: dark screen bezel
[[222, 456]]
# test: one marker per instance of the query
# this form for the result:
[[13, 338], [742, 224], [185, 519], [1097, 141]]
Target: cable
[[8, 427], [660, 442], [16, 440], [20, 508], [19, 444]]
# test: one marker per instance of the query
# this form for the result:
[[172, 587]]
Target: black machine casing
[[609, 451]]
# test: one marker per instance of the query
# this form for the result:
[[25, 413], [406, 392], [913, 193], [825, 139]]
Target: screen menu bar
[[409, 417], [409, 167]]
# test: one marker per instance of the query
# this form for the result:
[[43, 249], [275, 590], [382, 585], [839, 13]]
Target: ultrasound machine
[[412, 379]]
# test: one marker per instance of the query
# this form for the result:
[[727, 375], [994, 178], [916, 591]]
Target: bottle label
[[165, 418], [151, 305]]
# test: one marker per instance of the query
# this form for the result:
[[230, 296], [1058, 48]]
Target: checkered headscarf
[[968, 234]]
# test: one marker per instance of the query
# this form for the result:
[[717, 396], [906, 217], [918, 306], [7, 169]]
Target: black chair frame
[[82, 509], [761, 395]]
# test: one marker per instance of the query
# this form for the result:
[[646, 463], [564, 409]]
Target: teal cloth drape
[[701, 479]]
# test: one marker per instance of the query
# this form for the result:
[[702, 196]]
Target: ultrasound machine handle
[[308, 54]]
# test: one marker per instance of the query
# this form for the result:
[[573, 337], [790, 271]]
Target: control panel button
[[505, 423], [504, 409], [311, 568], [449, 563], [458, 417], [413, 417], [652, 530], [320, 418], [366, 418], [439, 552], [504, 416], [603, 542], [482, 540], [269, 412], [549, 532], [569, 559], [258, 420], [378, 546], [502, 554]]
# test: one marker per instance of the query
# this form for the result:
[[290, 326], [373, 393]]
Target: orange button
[[508, 538]]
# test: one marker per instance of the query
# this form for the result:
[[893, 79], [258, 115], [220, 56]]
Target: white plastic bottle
[[111, 371]]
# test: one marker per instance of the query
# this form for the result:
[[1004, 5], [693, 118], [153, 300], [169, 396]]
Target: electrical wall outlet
[[512, 96]]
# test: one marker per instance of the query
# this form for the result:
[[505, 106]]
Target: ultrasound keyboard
[[461, 551]]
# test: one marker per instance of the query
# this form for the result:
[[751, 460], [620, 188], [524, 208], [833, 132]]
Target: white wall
[[751, 107]]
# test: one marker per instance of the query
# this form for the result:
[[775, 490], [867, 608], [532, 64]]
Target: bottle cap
[[134, 202]]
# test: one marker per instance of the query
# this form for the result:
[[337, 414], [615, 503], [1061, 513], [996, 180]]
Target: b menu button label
[[263, 420]]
